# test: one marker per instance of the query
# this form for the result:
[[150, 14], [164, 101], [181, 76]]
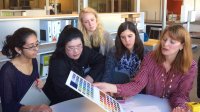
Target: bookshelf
[[8, 24]]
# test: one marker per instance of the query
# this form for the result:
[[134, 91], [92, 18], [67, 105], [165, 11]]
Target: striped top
[[172, 85]]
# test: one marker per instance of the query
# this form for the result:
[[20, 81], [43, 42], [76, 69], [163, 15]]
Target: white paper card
[[35, 96], [92, 93]]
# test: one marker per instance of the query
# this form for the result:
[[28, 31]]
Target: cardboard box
[[151, 44]]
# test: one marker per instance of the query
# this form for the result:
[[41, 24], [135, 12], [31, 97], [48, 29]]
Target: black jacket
[[198, 79], [59, 69]]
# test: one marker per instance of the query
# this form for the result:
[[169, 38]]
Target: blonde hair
[[183, 60], [98, 35]]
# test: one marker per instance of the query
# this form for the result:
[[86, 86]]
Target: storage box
[[151, 44], [194, 106]]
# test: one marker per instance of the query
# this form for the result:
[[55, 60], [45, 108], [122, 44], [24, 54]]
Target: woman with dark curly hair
[[18, 74]]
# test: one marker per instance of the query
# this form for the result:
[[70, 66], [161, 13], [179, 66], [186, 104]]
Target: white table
[[77, 105], [144, 102], [136, 102]]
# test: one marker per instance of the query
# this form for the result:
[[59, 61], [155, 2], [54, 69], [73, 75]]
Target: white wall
[[189, 4], [111, 22], [151, 8], [197, 5]]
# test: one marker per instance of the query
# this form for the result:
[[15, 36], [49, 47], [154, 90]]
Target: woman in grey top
[[94, 34]]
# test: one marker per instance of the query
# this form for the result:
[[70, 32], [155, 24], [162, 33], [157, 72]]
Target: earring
[[19, 52]]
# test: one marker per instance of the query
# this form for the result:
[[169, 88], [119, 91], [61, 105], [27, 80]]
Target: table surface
[[131, 105]]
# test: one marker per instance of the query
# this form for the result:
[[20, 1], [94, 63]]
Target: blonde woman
[[168, 72], [94, 34]]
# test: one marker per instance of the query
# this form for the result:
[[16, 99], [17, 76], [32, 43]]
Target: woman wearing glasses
[[71, 54], [18, 74]]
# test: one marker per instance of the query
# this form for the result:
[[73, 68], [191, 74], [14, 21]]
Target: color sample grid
[[85, 88]]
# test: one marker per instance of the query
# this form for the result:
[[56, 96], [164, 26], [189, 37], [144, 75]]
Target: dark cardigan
[[59, 69]]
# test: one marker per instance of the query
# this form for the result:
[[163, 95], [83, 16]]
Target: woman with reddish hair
[[168, 72]]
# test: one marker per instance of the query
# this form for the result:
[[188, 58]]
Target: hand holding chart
[[92, 93]]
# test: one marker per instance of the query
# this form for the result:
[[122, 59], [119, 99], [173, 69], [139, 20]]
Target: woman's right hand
[[179, 109], [106, 87], [41, 108]]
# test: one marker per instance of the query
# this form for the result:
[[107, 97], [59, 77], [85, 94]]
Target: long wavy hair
[[98, 35], [138, 45], [183, 59]]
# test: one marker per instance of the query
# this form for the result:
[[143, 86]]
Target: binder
[[56, 30], [65, 23], [44, 64], [75, 23], [46, 30]]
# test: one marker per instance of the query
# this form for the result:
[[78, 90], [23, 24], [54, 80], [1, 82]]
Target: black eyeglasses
[[33, 47]]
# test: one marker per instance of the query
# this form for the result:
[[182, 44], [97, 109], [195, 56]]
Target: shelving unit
[[9, 24]]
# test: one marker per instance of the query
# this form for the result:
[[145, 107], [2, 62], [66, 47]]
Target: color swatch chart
[[92, 93]]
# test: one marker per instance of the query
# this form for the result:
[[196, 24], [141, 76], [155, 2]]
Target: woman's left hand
[[89, 79], [179, 109]]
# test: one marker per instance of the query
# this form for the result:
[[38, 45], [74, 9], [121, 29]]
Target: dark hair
[[69, 33], [138, 45], [18, 39]]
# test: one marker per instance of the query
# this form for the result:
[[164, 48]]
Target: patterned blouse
[[120, 71], [172, 85], [129, 64]]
